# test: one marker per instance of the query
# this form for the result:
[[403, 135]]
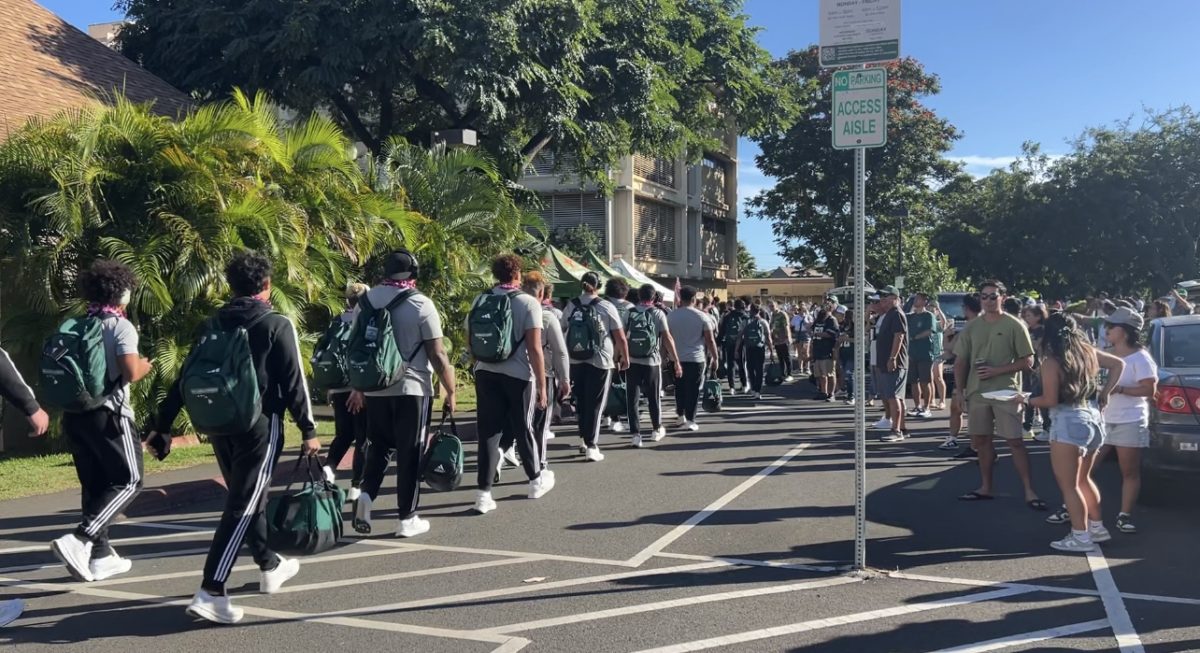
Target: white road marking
[[832, 622], [515, 644], [288, 616], [1122, 626], [670, 604], [434, 571], [127, 540], [167, 526], [1040, 588], [682, 529], [747, 562], [496, 552], [523, 589], [140, 556], [1028, 638]]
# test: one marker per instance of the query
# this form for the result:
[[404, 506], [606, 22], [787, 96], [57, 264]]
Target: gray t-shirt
[[526, 314], [660, 328], [558, 364], [609, 323], [120, 339], [414, 321], [687, 327]]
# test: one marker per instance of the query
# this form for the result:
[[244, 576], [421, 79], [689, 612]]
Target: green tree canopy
[[577, 241], [811, 203], [595, 80], [746, 265]]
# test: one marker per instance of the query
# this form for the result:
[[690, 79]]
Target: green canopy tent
[[607, 271], [562, 271]]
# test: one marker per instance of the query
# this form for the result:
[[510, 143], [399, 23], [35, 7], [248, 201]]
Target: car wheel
[[1157, 491]]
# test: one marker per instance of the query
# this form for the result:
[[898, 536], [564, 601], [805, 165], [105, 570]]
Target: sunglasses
[[989, 295]]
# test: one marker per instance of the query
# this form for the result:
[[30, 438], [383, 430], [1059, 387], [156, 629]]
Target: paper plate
[[1002, 395]]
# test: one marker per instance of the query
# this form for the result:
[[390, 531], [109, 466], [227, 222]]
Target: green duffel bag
[[618, 398], [442, 463], [309, 521]]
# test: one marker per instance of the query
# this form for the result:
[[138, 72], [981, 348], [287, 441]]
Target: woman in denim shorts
[[1070, 367], [1127, 416]]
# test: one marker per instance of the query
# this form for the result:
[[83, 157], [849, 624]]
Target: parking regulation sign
[[859, 108], [859, 32]]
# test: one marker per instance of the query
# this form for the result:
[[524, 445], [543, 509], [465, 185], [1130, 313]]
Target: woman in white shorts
[[1128, 412]]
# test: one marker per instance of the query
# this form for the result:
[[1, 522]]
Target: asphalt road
[[734, 538]]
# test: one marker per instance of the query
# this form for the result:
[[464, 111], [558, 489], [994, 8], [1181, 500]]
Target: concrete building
[[669, 218]]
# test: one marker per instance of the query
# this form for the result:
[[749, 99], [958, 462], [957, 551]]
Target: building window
[[547, 162], [693, 238], [659, 171], [715, 240], [654, 230], [566, 210], [713, 200]]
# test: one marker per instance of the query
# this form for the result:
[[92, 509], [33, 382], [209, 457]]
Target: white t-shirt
[[1123, 409]]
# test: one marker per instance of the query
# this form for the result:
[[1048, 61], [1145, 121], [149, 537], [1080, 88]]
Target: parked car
[[1173, 457]]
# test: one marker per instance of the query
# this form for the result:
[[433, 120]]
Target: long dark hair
[[1066, 344]]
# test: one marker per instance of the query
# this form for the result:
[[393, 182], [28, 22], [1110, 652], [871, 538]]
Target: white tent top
[[627, 270]]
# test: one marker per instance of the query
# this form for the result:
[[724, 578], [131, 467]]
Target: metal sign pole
[[860, 350]]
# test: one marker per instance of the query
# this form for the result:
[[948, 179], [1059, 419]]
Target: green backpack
[[373, 360], [329, 357], [642, 333], [219, 382], [755, 334], [73, 371], [712, 396], [583, 330], [442, 464], [490, 328], [309, 521]]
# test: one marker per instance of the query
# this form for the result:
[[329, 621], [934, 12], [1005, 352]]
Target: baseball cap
[[889, 291], [1126, 316], [840, 310], [400, 265]]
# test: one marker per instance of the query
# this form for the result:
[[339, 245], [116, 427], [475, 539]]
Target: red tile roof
[[46, 65]]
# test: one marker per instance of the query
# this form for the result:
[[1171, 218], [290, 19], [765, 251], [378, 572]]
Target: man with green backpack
[[331, 375], [395, 348], [596, 344], [729, 334], [504, 332], [753, 346], [85, 371], [649, 339], [238, 381]]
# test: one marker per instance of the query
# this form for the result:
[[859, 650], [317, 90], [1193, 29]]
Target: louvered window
[[654, 230], [546, 161], [565, 210], [659, 171], [714, 238]]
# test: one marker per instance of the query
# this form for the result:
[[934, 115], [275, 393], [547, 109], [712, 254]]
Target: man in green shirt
[[926, 330], [991, 352]]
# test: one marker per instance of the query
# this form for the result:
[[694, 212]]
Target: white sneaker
[[926, 414], [282, 573], [850, 401], [412, 527], [680, 420], [732, 392], [949, 443], [330, 476], [608, 422], [75, 554], [362, 515], [10, 610], [636, 441], [217, 609], [658, 434], [788, 379], [1072, 544], [619, 427], [109, 566], [509, 456], [884, 424], [484, 503], [539, 486], [593, 454], [692, 426], [1099, 534], [353, 494]]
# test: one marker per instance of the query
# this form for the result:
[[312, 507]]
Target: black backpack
[[583, 330]]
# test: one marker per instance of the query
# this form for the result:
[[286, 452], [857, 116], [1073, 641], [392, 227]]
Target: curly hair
[[616, 289], [506, 267], [106, 281], [247, 273]]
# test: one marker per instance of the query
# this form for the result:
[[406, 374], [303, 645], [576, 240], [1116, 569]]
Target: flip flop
[[1037, 504], [975, 496]]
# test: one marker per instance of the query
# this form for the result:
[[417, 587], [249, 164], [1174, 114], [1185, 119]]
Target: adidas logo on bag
[[441, 469]]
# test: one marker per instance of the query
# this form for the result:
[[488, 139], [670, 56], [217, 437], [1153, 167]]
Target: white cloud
[[981, 166]]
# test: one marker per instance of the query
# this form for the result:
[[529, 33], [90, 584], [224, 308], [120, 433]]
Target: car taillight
[[1178, 399]]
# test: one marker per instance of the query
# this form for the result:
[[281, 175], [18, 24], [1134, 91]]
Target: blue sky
[[1011, 70]]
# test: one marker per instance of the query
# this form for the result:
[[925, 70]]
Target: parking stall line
[[434, 571], [1122, 626], [1025, 639], [1129, 596], [141, 556], [682, 529], [128, 540], [747, 562], [497, 552], [833, 622], [670, 605]]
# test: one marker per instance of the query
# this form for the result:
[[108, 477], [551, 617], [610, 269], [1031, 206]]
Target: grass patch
[[25, 476]]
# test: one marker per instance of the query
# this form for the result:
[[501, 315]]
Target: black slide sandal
[[975, 496]]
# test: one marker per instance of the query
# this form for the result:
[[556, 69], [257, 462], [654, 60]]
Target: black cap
[[400, 265]]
